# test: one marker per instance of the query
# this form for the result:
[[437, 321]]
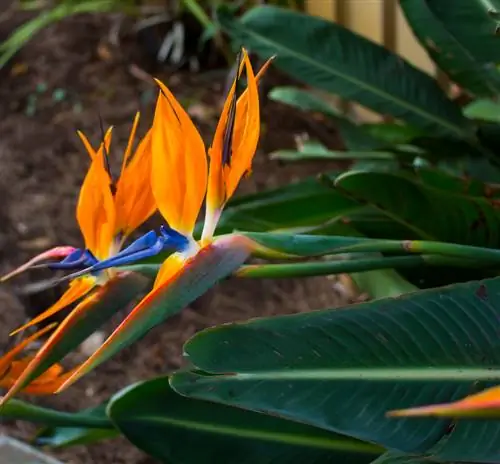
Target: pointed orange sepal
[[77, 289], [229, 163], [134, 198], [11, 368], [95, 211], [19, 382], [54, 253], [179, 166], [481, 404], [7, 359], [46, 384]]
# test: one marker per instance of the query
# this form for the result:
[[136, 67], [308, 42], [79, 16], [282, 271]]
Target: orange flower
[[11, 368], [180, 179], [107, 213]]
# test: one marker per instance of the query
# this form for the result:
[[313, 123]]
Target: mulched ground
[[62, 81]]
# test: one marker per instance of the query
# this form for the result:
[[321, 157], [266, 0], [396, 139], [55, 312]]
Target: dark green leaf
[[327, 56], [393, 457], [472, 23], [487, 110], [353, 136], [344, 369], [392, 133], [427, 212], [458, 59], [166, 425]]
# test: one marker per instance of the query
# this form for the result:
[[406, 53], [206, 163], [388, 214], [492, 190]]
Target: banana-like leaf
[[428, 213], [487, 110], [382, 283], [439, 179], [80, 434], [392, 133], [20, 410], [107, 300], [472, 23], [332, 58], [344, 369], [333, 155], [353, 136], [393, 457], [166, 425], [456, 57]]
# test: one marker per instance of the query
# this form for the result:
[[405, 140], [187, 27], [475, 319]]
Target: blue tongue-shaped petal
[[150, 244], [76, 260]]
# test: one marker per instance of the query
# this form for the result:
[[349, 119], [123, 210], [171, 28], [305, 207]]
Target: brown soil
[[42, 164]]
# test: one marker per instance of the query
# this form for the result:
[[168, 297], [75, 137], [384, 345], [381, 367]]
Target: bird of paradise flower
[[108, 211], [181, 179]]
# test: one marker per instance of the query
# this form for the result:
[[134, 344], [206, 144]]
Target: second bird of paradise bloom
[[108, 211], [181, 179]]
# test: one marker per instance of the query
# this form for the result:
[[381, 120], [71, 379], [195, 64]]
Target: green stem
[[311, 269], [20, 410]]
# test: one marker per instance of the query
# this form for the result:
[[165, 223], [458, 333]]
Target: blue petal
[[174, 239], [76, 260], [150, 244]]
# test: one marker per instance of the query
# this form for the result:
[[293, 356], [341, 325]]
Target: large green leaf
[[487, 110], [382, 283], [460, 185], [344, 369], [429, 213], [393, 457], [353, 136], [458, 59], [165, 425], [473, 23], [330, 57]]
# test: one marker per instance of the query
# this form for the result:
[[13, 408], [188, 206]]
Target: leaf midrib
[[371, 374], [276, 437]]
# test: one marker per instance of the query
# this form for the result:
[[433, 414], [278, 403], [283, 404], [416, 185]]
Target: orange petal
[[179, 166], [18, 383], [48, 382], [7, 359], [473, 405], [57, 252], [134, 198], [96, 210], [77, 289], [224, 178], [128, 150]]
